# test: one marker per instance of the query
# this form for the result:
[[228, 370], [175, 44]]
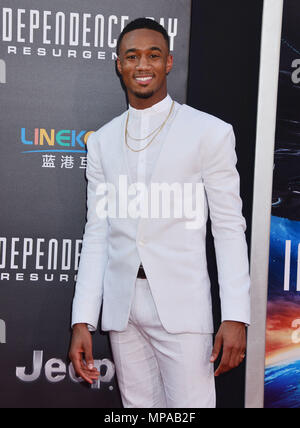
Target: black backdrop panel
[[223, 81]]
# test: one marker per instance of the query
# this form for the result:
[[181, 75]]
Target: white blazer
[[198, 148]]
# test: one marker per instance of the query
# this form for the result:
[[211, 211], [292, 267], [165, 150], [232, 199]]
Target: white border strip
[[263, 181]]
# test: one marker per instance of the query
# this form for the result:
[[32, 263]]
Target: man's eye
[[131, 57], [154, 56]]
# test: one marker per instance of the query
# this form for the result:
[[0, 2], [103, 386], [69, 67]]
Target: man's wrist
[[237, 322], [80, 326]]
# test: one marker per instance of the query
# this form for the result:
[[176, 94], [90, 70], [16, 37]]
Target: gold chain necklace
[[157, 131], [142, 139]]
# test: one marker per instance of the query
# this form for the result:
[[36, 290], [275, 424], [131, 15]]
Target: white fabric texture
[[156, 369]]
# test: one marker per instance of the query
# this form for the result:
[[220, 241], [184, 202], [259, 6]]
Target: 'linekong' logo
[[65, 140], [2, 71], [2, 332]]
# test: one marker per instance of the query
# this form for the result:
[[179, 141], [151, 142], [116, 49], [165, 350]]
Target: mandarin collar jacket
[[198, 149]]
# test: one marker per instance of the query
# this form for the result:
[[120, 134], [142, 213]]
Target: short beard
[[144, 96]]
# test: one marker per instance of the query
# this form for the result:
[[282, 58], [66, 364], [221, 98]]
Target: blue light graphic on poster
[[282, 374]]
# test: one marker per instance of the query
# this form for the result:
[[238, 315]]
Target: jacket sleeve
[[89, 287], [222, 186]]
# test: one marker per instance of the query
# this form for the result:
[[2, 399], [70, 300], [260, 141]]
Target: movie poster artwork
[[282, 373]]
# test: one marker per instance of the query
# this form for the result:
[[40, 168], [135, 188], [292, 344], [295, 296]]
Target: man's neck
[[144, 103]]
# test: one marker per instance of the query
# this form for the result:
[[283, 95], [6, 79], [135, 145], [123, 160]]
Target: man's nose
[[143, 63]]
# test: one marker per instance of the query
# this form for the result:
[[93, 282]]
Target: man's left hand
[[232, 337]]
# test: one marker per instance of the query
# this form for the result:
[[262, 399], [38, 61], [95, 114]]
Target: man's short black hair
[[141, 23]]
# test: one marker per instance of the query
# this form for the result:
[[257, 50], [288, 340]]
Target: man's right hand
[[81, 354]]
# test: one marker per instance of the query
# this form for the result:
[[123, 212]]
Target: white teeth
[[143, 79]]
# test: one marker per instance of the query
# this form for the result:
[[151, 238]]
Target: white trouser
[[158, 369]]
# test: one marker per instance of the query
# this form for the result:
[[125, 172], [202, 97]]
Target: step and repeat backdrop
[[282, 373], [58, 84]]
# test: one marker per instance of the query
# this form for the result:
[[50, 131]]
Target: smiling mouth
[[144, 79]]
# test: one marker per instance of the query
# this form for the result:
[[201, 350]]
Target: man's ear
[[119, 65], [170, 61]]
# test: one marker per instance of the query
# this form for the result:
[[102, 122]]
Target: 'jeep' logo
[[2, 71], [2, 332]]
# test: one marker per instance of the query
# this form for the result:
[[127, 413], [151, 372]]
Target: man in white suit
[[150, 272]]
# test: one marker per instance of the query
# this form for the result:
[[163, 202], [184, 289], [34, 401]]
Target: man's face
[[144, 62]]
